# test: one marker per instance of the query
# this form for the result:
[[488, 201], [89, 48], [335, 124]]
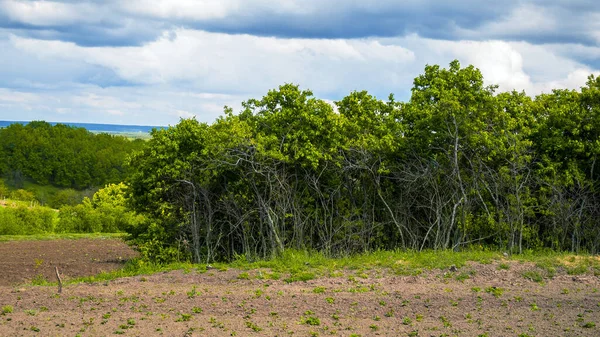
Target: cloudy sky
[[151, 62]]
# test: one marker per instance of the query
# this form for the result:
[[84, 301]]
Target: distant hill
[[98, 128]]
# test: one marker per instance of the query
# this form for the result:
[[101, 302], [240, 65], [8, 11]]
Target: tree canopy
[[458, 165], [62, 155]]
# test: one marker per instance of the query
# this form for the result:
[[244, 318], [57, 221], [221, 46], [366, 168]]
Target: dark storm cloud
[[116, 23]]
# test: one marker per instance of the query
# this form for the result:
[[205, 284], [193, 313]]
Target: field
[[501, 296]]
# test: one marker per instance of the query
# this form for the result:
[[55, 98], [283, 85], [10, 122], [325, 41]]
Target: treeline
[[458, 165], [62, 156]]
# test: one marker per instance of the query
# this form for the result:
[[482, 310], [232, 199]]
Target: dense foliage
[[105, 212], [458, 165], [62, 156]]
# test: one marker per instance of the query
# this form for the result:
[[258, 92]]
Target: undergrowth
[[303, 266]]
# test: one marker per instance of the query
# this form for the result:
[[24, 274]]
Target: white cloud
[[215, 61], [12, 96], [48, 13], [526, 18]]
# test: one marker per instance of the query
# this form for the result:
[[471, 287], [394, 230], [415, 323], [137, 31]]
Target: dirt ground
[[21, 261], [476, 300]]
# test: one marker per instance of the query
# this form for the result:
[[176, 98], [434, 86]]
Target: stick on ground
[[59, 280]]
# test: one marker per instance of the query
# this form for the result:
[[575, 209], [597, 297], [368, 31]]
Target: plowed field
[[477, 300]]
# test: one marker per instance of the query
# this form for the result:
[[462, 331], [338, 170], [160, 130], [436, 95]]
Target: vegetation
[[458, 165], [106, 212], [62, 156]]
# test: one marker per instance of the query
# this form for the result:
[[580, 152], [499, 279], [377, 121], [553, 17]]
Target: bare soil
[[22, 261], [492, 301]]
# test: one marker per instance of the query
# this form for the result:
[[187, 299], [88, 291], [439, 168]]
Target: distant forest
[[62, 155]]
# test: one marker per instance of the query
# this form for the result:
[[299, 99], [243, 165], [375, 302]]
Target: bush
[[66, 197], [22, 195], [4, 192], [25, 221]]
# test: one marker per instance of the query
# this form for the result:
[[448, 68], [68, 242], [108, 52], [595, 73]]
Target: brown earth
[[21, 261], [492, 301]]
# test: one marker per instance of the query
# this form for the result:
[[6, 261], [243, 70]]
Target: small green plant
[[533, 276], [462, 277], [503, 266], [309, 319], [253, 326], [193, 293], [330, 300], [184, 318], [374, 327], [495, 291], [197, 310], [7, 309], [534, 307], [243, 276], [406, 321], [589, 325], [318, 290]]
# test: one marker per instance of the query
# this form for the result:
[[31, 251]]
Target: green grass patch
[[297, 266]]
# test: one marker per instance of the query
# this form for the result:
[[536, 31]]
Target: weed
[[462, 277], [533, 276], [496, 292], [318, 290], [503, 266], [330, 300], [196, 310], [310, 320], [243, 276], [406, 321], [304, 276], [589, 325], [7, 309], [184, 318], [193, 293], [445, 321], [253, 326]]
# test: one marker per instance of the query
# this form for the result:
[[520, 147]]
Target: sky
[[152, 62]]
